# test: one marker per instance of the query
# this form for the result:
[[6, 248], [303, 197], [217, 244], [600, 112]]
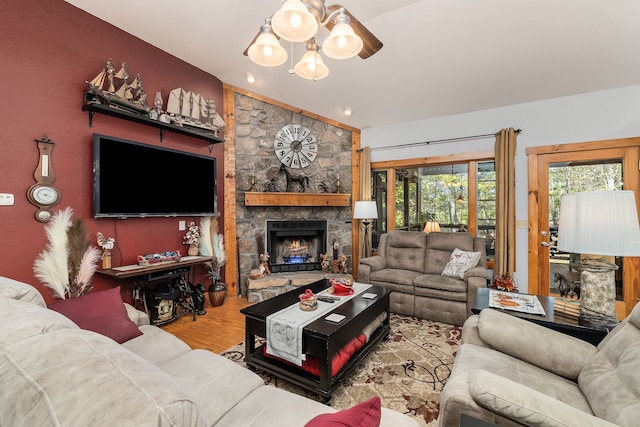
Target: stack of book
[[566, 307]]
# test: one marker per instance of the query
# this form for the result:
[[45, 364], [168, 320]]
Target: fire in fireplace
[[296, 245]]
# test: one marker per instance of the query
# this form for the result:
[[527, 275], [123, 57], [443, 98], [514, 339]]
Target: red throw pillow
[[364, 414], [102, 312]]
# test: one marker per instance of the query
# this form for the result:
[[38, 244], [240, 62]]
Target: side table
[[562, 324]]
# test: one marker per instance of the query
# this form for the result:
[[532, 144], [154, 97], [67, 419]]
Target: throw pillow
[[364, 414], [459, 262], [102, 312]]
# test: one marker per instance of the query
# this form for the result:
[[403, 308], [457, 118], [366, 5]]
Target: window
[[445, 192], [486, 205]]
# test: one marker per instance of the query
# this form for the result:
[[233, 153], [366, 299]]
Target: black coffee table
[[320, 338], [564, 324]]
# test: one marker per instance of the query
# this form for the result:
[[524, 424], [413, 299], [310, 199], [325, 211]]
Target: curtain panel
[[364, 248], [505, 243]]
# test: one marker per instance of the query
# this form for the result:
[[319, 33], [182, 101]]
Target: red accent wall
[[47, 53]]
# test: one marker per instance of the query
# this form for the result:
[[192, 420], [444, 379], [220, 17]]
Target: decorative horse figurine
[[300, 179]]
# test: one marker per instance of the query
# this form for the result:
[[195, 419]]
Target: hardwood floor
[[217, 330]]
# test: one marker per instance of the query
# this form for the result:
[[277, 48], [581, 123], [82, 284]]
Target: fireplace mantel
[[296, 199]]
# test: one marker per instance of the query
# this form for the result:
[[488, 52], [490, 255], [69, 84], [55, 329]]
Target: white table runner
[[284, 328]]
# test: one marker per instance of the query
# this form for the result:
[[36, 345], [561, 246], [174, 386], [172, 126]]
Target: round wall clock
[[43, 194], [295, 146]]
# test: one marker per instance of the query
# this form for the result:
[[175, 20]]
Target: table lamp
[[366, 211], [431, 226], [601, 223]]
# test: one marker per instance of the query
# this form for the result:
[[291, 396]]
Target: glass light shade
[[294, 22], [599, 223], [266, 51], [431, 226], [311, 66], [342, 42], [365, 210]]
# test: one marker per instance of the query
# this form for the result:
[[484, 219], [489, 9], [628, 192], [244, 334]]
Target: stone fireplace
[[258, 169], [296, 245]]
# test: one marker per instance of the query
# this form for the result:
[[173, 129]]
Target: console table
[[146, 277]]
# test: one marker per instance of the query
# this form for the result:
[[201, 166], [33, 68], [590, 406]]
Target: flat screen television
[[131, 179]]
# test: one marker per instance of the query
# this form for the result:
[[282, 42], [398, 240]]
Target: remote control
[[327, 299]]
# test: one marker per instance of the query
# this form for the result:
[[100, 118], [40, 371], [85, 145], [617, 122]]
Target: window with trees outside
[[445, 193]]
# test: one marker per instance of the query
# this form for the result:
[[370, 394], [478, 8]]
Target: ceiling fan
[[299, 21]]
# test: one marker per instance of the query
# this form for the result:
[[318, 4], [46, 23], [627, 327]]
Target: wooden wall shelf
[[139, 118], [296, 199]]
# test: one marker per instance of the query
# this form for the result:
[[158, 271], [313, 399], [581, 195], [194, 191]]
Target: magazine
[[523, 303]]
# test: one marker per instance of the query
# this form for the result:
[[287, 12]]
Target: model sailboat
[[193, 110], [113, 88]]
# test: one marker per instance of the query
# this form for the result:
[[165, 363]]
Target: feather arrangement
[[78, 243], [218, 247], [82, 283], [51, 266], [211, 245], [68, 263], [205, 234]]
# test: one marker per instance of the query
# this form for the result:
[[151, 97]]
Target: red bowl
[[341, 286]]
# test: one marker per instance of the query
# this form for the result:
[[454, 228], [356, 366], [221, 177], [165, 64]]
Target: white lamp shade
[[431, 226], [266, 51], [599, 223], [311, 66], [365, 210], [294, 22], [342, 43]]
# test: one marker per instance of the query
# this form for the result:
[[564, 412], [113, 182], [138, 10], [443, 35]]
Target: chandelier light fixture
[[298, 21]]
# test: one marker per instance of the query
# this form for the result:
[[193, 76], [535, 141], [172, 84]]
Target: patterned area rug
[[407, 371]]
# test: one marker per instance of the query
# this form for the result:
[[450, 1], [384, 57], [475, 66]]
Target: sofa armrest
[[526, 405], [376, 262], [563, 355], [479, 272], [367, 265], [138, 317], [470, 333]]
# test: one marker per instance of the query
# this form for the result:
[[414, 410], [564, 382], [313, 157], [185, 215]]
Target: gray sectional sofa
[[56, 374], [512, 372], [411, 264]]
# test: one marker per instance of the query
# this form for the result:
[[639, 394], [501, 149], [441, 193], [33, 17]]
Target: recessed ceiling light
[[250, 78], [347, 111]]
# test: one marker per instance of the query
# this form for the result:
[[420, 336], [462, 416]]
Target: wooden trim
[[391, 199], [625, 148], [296, 199], [588, 145], [632, 264], [433, 160], [472, 196], [534, 226], [356, 176], [290, 108], [231, 263]]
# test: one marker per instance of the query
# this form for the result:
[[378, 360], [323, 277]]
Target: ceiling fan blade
[[371, 43]]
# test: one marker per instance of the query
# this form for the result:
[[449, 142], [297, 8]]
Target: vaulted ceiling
[[440, 57]]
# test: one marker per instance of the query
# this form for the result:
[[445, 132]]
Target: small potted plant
[[107, 245], [192, 238], [505, 282], [217, 290]]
